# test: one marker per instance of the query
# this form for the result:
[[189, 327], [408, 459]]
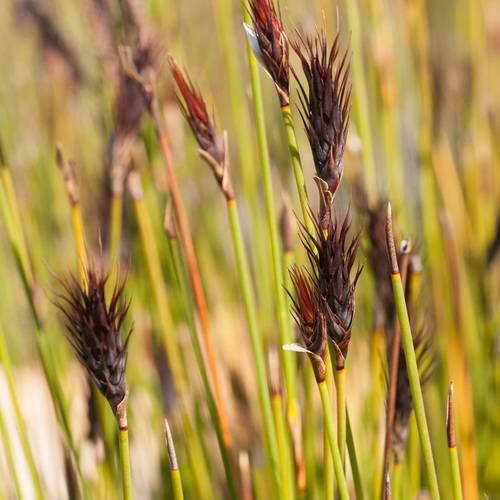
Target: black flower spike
[[333, 262], [269, 43], [213, 146], [129, 109], [94, 330], [325, 108], [308, 310]]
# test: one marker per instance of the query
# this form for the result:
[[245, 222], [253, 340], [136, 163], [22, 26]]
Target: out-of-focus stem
[[353, 459], [212, 409], [258, 351], [411, 363], [452, 448], [174, 466], [116, 225], [194, 272]]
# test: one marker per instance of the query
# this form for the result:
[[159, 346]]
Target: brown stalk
[[393, 371], [149, 93]]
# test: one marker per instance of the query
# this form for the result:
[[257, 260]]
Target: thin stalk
[[297, 166], [10, 458], [361, 105], [76, 215], [194, 271], [212, 409], [258, 351], [396, 344], [289, 361], [169, 341], [411, 363], [452, 448], [5, 359], [341, 412], [125, 462], [310, 426], [330, 431], [327, 457], [397, 471], [287, 481], [353, 459], [293, 407], [116, 225], [178, 494]]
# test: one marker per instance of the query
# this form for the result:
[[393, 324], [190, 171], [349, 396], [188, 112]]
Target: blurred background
[[424, 134]]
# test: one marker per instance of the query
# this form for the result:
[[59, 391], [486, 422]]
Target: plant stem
[[258, 351], [341, 412], [194, 272], [5, 359], [452, 448], [411, 363], [329, 426], [212, 409], [116, 225], [327, 457], [356, 476], [172, 350], [178, 494], [125, 464], [297, 166], [76, 216], [284, 326]]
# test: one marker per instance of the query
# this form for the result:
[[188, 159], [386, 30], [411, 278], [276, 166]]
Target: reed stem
[[7, 366], [330, 431], [258, 351], [411, 363]]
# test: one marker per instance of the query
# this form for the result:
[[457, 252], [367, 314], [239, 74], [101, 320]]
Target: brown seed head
[[325, 108], [273, 46], [213, 146], [94, 330], [333, 261], [308, 310]]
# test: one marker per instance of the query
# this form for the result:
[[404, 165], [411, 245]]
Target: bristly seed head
[[308, 310], [325, 108], [333, 260], [213, 146], [272, 48], [94, 330]]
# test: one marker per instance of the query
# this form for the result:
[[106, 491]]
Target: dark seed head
[[273, 45], [325, 108], [308, 310], [94, 330], [213, 146], [333, 261]]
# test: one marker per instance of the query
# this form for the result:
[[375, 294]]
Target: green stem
[[329, 426], [212, 409], [258, 351], [297, 166], [10, 459], [5, 359], [125, 464], [283, 449], [353, 459], [455, 474], [341, 412], [361, 105], [416, 390], [177, 484], [327, 457], [284, 326]]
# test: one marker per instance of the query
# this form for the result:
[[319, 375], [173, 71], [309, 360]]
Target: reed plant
[[378, 102]]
